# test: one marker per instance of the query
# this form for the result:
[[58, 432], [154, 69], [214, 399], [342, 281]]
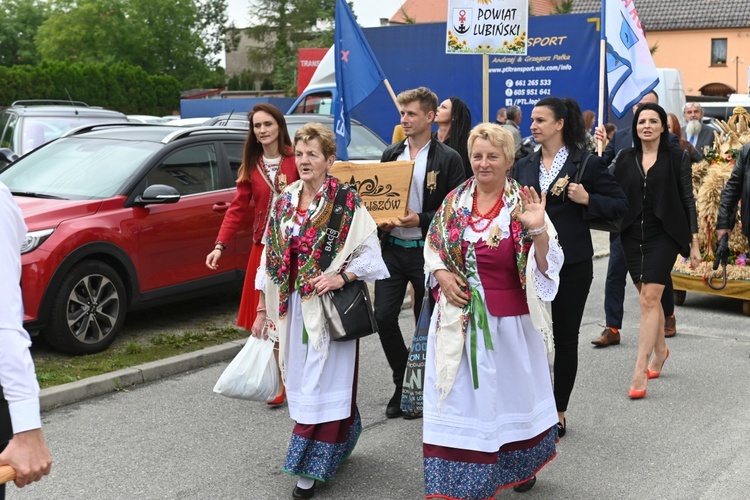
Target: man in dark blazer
[[617, 269], [437, 170], [695, 131], [737, 189]]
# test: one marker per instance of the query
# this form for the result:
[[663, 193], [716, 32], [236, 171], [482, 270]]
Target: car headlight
[[35, 238]]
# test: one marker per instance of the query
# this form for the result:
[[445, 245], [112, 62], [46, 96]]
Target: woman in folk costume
[[267, 167], [320, 375], [489, 411]]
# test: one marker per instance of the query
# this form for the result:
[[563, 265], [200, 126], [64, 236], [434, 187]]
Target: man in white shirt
[[20, 420], [437, 170]]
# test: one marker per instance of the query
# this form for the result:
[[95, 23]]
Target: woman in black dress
[[661, 222]]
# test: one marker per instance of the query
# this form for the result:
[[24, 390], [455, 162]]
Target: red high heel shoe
[[651, 374], [278, 400], [636, 394]]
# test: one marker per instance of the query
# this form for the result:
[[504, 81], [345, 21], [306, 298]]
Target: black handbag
[[348, 310], [596, 223]]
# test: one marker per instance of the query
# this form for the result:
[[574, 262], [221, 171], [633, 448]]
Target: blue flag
[[357, 71], [631, 72]]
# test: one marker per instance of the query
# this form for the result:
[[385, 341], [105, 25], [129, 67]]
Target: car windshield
[[78, 168], [364, 144], [38, 130]]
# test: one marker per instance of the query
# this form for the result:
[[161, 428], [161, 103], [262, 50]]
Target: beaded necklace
[[477, 217], [300, 216]]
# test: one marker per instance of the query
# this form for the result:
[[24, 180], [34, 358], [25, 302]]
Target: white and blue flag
[[631, 72]]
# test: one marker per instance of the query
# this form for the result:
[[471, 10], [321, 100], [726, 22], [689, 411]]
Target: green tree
[[180, 38], [19, 22], [564, 7], [282, 27]]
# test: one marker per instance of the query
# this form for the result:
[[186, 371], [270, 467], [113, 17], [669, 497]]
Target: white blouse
[[546, 178]]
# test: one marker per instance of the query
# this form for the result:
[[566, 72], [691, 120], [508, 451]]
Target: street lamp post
[[737, 61]]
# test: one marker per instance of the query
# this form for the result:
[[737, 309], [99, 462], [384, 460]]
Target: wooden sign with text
[[384, 187]]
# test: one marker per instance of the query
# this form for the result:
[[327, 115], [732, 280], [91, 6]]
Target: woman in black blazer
[[657, 179], [557, 124]]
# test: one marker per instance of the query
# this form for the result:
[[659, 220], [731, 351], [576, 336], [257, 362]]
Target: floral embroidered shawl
[[356, 226], [443, 251]]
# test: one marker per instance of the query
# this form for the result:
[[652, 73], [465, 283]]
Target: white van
[[670, 91], [724, 109]]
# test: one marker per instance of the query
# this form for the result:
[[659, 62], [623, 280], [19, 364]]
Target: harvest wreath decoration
[[709, 177]]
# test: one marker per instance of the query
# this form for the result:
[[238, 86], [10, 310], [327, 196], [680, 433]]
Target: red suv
[[120, 217]]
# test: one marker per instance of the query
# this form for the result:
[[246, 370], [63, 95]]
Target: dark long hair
[[677, 130], [663, 138], [460, 128], [254, 149], [567, 110]]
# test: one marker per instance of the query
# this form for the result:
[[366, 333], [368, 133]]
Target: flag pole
[[393, 94], [602, 73], [485, 87]]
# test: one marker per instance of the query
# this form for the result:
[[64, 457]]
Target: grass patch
[[64, 369]]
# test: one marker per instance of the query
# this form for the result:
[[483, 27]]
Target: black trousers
[[567, 313], [405, 265]]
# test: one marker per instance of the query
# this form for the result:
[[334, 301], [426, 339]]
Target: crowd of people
[[497, 239]]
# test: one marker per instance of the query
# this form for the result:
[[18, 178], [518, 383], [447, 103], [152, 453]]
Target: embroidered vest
[[498, 273]]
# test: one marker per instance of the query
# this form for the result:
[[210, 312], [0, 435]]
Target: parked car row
[[26, 125], [121, 216]]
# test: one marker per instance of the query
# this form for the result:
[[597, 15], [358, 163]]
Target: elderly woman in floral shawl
[[489, 411], [320, 375]]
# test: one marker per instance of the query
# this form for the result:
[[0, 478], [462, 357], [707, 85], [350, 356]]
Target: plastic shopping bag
[[411, 393], [252, 374]]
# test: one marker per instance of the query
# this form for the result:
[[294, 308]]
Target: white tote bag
[[252, 374]]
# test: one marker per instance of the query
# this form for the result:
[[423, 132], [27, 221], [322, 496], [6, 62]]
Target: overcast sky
[[368, 12]]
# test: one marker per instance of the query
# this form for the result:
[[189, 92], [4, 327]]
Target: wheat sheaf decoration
[[709, 177]]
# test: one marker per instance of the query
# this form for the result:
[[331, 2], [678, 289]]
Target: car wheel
[[88, 310]]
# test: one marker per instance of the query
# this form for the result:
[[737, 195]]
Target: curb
[[106, 383], [80, 390]]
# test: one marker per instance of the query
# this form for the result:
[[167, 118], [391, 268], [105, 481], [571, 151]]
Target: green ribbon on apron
[[478, 314]]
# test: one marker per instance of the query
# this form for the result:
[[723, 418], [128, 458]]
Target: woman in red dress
[[268, 166]]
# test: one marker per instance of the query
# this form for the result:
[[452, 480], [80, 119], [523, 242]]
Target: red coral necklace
[[477, 217], [300, 216]]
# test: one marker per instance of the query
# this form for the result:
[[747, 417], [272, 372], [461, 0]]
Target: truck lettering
[[341, 126], [547, 40]]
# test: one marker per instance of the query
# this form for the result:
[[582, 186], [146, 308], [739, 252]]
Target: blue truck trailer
[[562, 60]]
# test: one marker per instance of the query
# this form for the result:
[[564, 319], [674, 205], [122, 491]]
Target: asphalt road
[[688, 439]]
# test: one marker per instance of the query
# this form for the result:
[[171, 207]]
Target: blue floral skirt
[[316, 451], [454, 474]]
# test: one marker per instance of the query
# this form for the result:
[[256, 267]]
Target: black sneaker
[[526, 486], [393, 410]]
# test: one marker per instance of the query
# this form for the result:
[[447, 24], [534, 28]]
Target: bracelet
[[217, 247], [345, 277], [220, 246], [261, 310], [539, 230]]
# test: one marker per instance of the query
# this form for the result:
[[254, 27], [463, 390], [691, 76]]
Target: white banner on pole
[[487, 27]]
